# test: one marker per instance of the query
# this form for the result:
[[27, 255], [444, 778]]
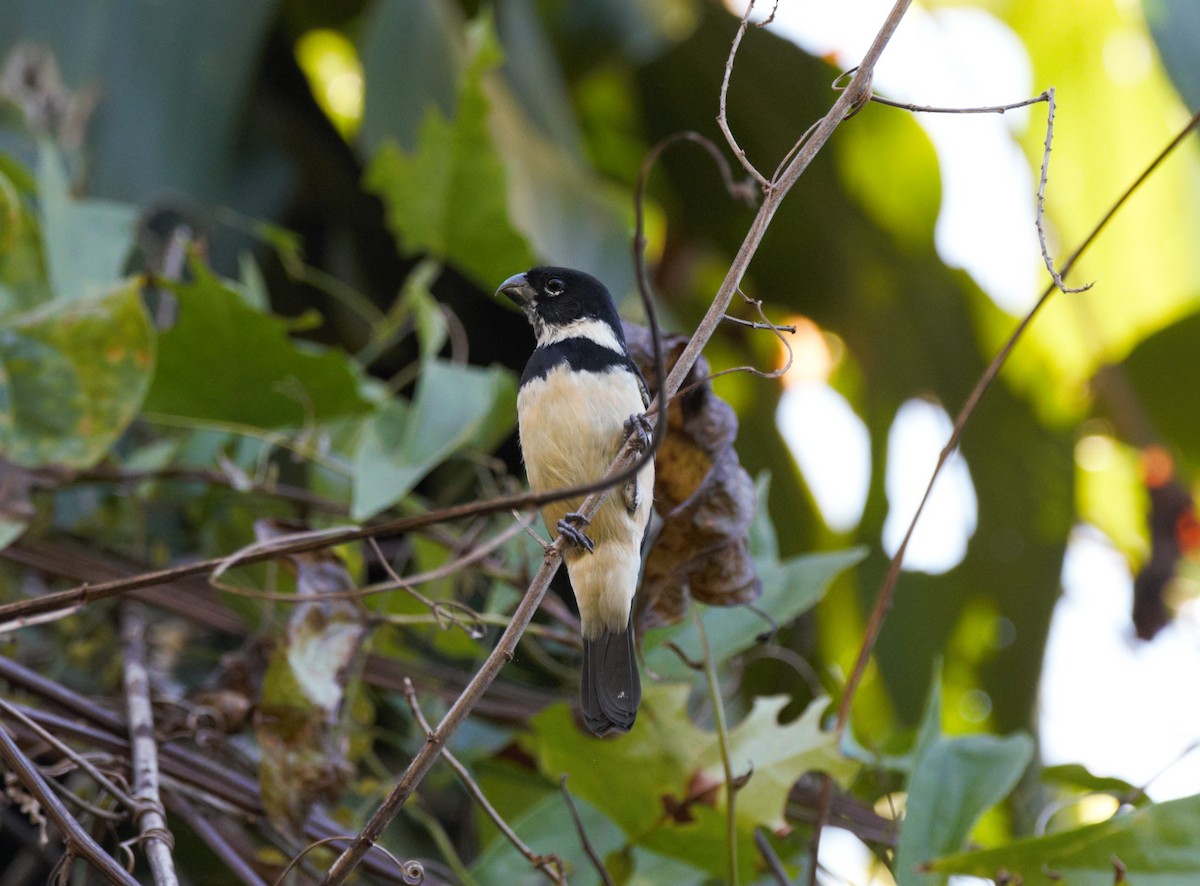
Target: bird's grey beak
[[518, 289]]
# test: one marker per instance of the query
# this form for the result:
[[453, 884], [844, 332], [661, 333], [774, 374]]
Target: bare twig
[[731, 783], [722, 116], [412, 871], [774, 865], [219, 786], [151, 817], [79, 842], [550, 865], [754, 324], [436, 740], [588, 849], [1040, 219], [70, 753], [929, 109]]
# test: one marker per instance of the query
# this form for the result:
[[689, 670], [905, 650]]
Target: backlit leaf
[[448, 197]]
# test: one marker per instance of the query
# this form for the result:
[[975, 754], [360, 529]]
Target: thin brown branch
[[930, 109], [411, 871], [436, 740], [722, 115], [550, 865], [585, 841], [79, 842], [22, 612], [1040, 218], [151, 817], [218, 785], [774, 865], [69, 753], [754, 324]]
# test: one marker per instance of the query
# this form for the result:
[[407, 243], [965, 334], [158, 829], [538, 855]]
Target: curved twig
[[79, 842]]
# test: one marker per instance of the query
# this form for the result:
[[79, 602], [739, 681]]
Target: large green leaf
[[953, 782], [86, 241], [223, 361], [1157, 845], [643, 781], [72, 376], [777, 755], [402, 442], [449, 197]]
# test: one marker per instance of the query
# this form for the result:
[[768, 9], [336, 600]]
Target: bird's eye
[[555, 286]]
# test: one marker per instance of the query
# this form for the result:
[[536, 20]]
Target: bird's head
[[561, 302]]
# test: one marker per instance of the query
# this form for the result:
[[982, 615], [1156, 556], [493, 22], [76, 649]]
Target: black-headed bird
[[580, 396]]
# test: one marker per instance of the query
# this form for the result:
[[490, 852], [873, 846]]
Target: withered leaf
[[703, 494], [303, 720]]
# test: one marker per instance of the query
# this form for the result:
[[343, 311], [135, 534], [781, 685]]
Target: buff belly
[[571, 426]]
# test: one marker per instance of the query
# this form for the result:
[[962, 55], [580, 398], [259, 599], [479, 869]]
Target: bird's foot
[[571, 525], [639, 427]]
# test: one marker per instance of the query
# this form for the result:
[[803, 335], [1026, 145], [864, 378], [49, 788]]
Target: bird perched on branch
[[580, 396]]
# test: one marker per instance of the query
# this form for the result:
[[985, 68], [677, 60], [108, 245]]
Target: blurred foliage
[[246, 261]]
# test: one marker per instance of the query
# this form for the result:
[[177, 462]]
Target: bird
[[580, 396]]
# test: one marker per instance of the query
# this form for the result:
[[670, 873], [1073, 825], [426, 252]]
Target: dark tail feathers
[[611, 689]]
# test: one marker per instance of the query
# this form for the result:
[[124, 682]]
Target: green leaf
[[401, 443], [1166, 376], [790, 588], [72, 376], [778, 755], [638, 778], [412, 55], [449, 196], [1156, 844], [23, 283], [544, 829], [953, 782], [86, 241], [1076, 775], [224, 361]]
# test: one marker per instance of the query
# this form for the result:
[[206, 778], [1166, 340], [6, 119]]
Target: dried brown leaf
[[703, 494]]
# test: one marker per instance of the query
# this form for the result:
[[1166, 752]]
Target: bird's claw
[[571, 526], [639, 427]]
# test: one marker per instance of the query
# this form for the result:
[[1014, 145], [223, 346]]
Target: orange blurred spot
[[1157, 467], [812, 358], [1187, 532]]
